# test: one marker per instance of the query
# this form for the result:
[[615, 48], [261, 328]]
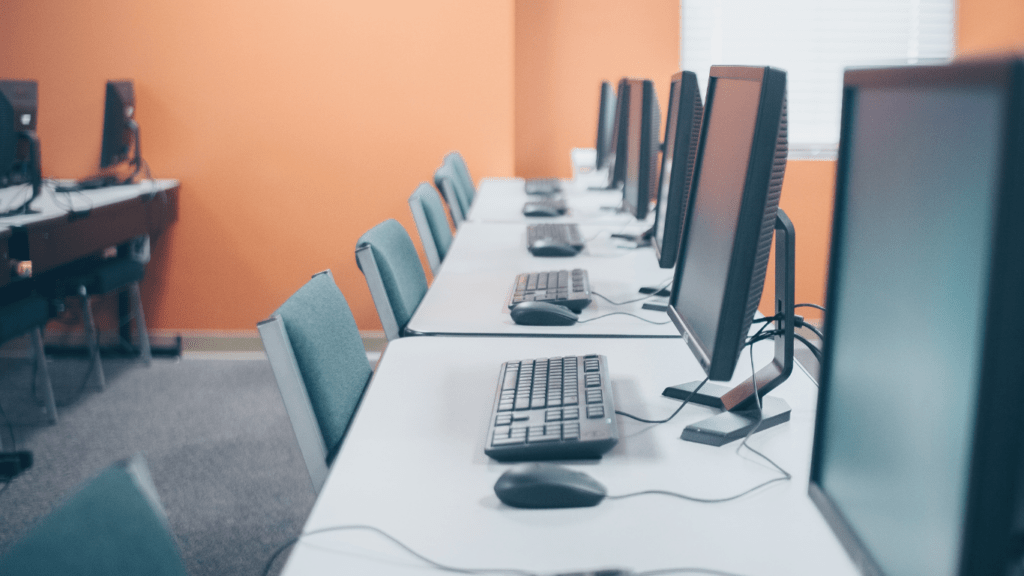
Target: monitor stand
[[740, 412], [642, 239]]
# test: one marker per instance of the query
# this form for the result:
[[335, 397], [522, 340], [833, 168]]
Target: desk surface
[[50, 205], [428, 483], [471, 291], [502, 199]]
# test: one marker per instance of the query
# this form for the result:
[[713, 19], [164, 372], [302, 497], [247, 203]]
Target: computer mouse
[[544, 248], [538, 209], [543, 314], [546, 485]]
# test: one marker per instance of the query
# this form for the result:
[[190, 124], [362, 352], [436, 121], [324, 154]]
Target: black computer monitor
[[605, 124], [643, 142], [682, 131], [919, 441], [723, 257], [19, 145], [120, 131], [617, 149]]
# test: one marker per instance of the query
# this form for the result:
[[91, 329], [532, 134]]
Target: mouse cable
[[673, 415], [447, 568], [657, 289], [625, 314], [603, 230]]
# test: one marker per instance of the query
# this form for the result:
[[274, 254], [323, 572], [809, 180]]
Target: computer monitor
[[723, 257], [919, 441], [120, 131], [19, 145], [682, 131], [617, 150], [643, 142], [605, 125]]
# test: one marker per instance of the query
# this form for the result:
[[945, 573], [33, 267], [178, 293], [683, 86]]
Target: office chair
[[393, 273], [114, 525], [320, 366], [28, 312], [100, 276], [431, 223], [452, 186], [462, 172]]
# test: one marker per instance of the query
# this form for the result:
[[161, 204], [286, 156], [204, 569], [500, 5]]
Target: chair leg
[[41, 369], [94, 340], [140, 324]]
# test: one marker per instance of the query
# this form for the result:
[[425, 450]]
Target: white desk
[[471, 291], [413, 465], [502, 199]]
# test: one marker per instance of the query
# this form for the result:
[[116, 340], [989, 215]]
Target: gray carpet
[[214, 433]]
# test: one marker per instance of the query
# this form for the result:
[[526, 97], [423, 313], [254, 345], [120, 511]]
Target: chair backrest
[[113, 525], [320, 366], [462, 171], [393, 273], [449, 183], [431, 223]]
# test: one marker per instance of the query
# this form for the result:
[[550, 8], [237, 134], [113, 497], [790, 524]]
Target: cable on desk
[[447, 568], [808, 305], [673, 415], [760, 419], [658, 288], [814, 349], [438, 565], [625, 314]]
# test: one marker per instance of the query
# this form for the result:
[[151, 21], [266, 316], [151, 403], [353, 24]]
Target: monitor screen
[[917, 196], [19, 102], [119, 128], [642, 146], [682, 130], [617, 148], [736, 187], [605, 124]]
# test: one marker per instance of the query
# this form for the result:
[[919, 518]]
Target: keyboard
[[565, 287], [561, 233], [543, 186], [545, 207], [552, 408]]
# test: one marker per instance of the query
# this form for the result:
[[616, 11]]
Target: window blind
[[814, 40]]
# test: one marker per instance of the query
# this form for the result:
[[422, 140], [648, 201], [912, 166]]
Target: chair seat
[[19, 317], [112, 275]]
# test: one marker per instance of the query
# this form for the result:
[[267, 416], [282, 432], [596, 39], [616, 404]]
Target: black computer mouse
[[543, 314], [546, 485], [544, 248], [539, 209]]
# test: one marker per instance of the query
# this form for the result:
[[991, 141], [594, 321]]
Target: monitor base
[[726, 427]]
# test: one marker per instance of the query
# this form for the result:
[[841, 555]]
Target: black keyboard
[[543, 186], [552, 408], [557, 233], [545, 207], [565, 287]]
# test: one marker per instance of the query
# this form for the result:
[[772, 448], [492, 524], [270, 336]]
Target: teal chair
[[320, 366], [455, 184], [462, 172], [393, 273], [431, 223], [114, 525]]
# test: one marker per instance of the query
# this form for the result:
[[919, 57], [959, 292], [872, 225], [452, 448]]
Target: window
[[814, 40]]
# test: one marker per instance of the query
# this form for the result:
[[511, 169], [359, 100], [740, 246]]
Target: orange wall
[[564, 49], [989, 26], [293, 126]]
